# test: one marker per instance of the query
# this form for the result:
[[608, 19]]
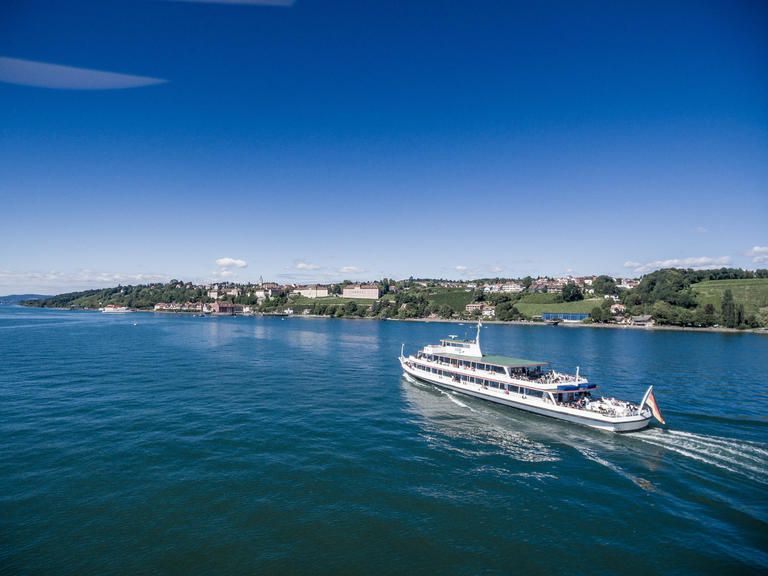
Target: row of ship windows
[[467, 364], [482, 381]]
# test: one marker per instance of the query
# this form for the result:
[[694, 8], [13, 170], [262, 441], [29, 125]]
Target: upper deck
[[495, 360]]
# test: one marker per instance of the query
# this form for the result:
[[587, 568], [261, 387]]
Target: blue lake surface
[[146, 444]]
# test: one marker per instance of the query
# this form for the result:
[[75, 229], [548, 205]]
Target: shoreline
[[705, 329], [600, 325]]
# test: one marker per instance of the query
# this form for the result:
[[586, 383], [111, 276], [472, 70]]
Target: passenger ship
[[460, 365]]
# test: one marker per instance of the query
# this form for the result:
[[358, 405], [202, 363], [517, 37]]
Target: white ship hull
[[535, 405], [121, 310]]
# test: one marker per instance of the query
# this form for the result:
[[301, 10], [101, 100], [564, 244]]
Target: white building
[[512, 288], [370, 291], [312, 291]]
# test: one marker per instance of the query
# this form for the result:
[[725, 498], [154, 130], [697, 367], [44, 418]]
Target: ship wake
[[748, 459]]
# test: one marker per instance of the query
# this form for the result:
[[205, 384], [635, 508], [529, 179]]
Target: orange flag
[[651, 401]]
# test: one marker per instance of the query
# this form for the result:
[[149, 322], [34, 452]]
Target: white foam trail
[[486, 437], [458, 402], [747, 459], [590, 455], [745, 446]]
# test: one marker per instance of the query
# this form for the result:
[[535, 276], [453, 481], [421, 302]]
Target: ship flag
[[650, 399]]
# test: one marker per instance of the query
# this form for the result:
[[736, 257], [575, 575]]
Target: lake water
[[146, 444]]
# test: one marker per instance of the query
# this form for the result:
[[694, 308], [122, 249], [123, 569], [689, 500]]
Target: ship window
[[495, 384], [535, 393]]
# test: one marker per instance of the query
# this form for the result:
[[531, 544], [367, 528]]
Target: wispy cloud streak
[[759, 254], [694, 262], [56, 281], [56, 76], [284, 3]]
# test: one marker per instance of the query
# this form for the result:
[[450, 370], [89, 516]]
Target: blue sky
[[319, 140]]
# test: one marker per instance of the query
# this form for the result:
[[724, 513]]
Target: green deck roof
[[498, 360]]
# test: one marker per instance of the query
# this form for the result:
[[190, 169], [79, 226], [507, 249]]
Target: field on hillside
[[455, 298], [536, 309], [330, 300], [752, 292], [540, 298]]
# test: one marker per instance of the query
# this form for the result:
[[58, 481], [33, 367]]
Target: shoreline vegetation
[[720, 300], [459, 321]]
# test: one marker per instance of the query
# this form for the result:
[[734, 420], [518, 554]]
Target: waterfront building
[[487, 310], [564, 316], [370, 291], [312, 291], [226, 308], [642, 320], [618, 309]]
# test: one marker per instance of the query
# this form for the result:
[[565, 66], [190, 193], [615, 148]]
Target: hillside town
[[229, 298], [724, 297]]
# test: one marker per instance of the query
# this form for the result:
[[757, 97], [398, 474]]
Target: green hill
[[455, 298], [531, 309], [751, 292]]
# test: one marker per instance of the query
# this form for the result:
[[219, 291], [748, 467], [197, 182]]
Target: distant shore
[[594, 325]]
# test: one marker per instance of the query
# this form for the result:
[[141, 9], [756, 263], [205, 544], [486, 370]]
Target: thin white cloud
[[496, 269], [223, 274], [351, 270], [302, 265], [466, 271], [285, 3], [701, 230], [231, 263], [759, 254], [55, 282], [693, 262], [45, 75]]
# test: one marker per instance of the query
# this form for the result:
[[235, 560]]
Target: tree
[[706, 316], [526, 282], [728, 310], [603, 285], [572, 293], [597, 314], [507, 311]]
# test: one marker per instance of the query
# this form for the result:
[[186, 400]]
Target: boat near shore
[[460, 365], [113, 309]]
